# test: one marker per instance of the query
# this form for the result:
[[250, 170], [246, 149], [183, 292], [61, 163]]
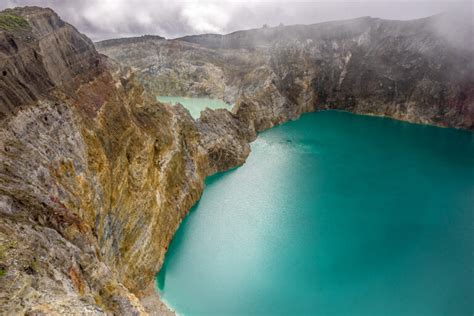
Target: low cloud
[[102, 19]]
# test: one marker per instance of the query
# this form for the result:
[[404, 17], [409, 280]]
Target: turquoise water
[[333, 214], [195, 105]]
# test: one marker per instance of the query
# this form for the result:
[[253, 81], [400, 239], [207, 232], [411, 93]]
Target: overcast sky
[[102, 19]]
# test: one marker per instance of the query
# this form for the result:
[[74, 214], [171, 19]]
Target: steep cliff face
[[170, 67], [95, 176], [41, 54], [409, 70]]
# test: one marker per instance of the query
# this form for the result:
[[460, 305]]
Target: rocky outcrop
[[95, 176], [167, 67], [42, 55], [420, 71]]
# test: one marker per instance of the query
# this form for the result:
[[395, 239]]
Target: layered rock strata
[[419, 71], [96, 175]]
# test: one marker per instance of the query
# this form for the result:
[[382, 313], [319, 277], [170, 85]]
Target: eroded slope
[[420, 71]]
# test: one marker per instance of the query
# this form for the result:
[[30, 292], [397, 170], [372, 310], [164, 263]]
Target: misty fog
[[123, 18]]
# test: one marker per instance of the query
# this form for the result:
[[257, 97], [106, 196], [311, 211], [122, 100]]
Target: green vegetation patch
[[2, 272], [12, 22]]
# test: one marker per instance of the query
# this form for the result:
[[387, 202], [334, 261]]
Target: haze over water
[[333, 214]]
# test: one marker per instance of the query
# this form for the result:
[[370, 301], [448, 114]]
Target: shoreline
[[179, 296], [155, 295], [154, 304], [98, 175]]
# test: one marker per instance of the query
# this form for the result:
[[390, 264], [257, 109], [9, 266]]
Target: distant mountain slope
[[127, 40], [459, 28], [420, 70]]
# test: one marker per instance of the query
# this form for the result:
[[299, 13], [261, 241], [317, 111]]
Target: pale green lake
[[195, 105]]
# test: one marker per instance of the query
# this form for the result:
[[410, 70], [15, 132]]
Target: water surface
[[333, 214], [194, 104]]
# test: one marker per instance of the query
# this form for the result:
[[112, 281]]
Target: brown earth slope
[[94, 177]]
